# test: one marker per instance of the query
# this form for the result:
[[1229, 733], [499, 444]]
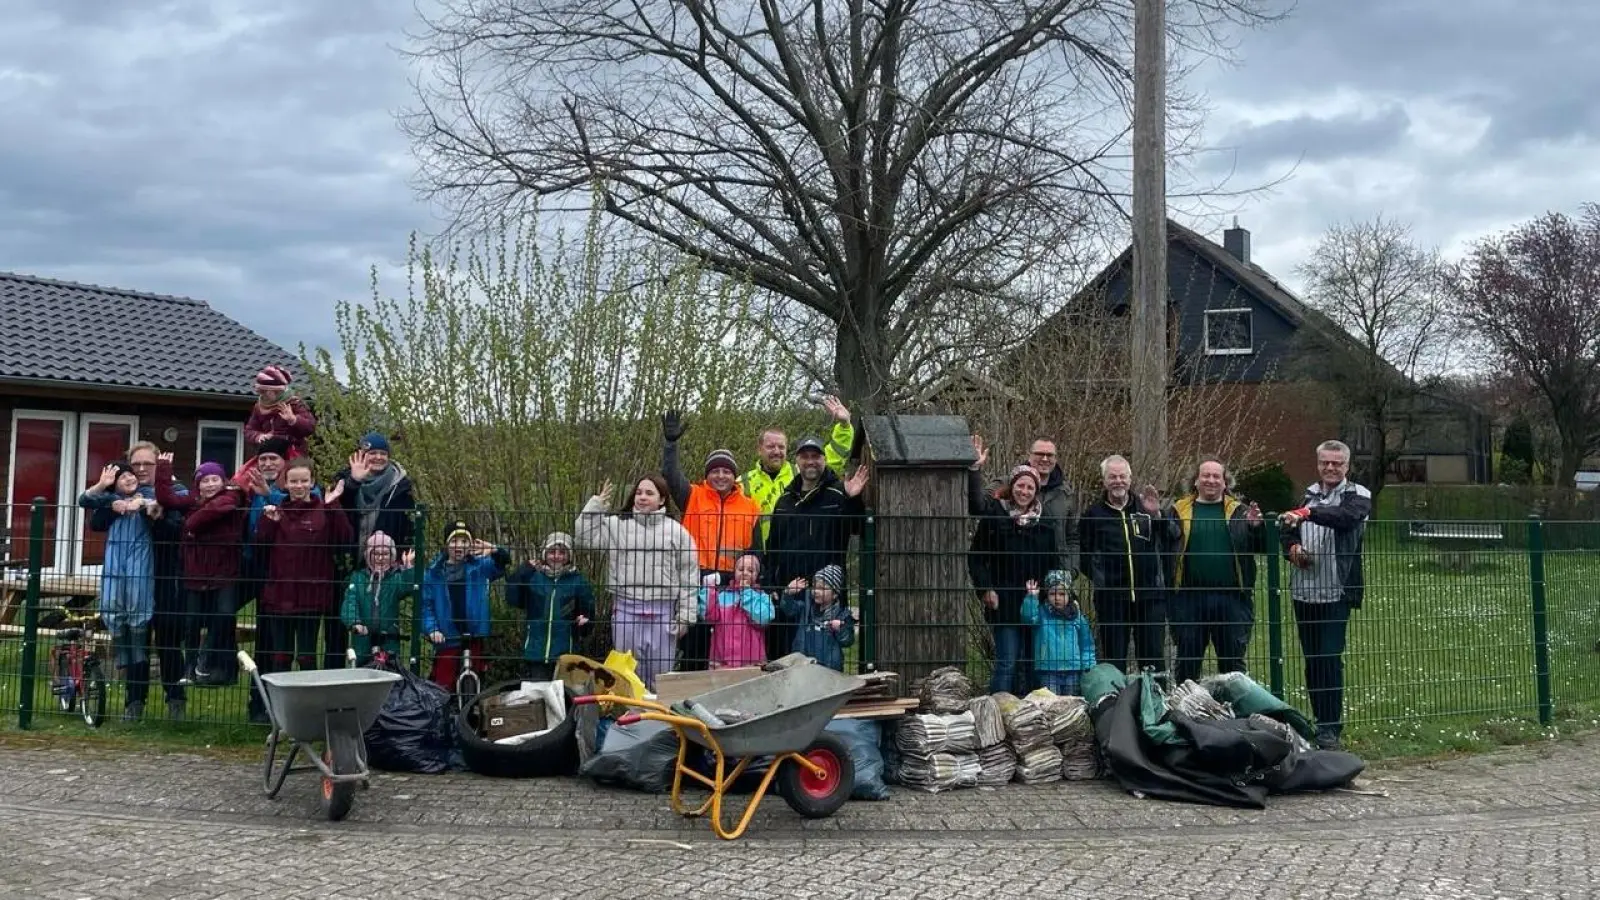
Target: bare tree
[[1391, 338], [879, 166], [1531, 296]]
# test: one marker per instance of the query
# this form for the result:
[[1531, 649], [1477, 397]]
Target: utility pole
[[1147, 345]]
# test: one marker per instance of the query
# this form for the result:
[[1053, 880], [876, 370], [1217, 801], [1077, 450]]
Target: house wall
[[155, 415], [1290, 420]]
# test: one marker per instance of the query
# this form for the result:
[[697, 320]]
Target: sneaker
[[176, 708], [1328, 739], [133, 712]]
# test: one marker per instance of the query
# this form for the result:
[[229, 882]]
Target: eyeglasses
[[1045, 455]]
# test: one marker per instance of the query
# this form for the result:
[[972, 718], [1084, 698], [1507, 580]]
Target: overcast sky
[[246, 154]]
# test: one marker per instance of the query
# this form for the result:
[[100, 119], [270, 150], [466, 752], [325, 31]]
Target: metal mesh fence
[[1476, 621]]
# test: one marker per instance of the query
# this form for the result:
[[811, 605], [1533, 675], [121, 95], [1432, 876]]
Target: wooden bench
[[1458, 540], [54, 592]]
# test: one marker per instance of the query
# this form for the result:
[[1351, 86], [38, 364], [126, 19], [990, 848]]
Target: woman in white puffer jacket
[[652, 572]]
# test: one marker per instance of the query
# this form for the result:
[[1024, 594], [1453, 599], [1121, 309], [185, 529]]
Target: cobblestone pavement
[[102, 824]]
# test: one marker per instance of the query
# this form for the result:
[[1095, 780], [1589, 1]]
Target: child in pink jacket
[[738, 615]]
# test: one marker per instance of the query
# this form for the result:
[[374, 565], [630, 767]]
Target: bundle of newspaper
[[1068, 716], [1027, 726], [999, 764], [928, 733], [937, 772], [986, 718], [946, 690], [1040, 765], [1196, 702]]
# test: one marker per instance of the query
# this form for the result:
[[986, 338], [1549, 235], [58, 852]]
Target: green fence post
[[419, 567], [867, 659], [1541, 621], [1274, 617], [30, 614]]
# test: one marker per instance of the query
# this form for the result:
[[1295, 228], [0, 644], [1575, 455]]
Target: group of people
[[1189, 564], [729, 570]]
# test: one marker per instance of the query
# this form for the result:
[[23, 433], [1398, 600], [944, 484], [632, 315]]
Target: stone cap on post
[[923, 442]]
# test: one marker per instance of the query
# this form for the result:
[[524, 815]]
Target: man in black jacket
[[1060, 504], [378, 494], [1123, 540], [171, 627], [811, 528]]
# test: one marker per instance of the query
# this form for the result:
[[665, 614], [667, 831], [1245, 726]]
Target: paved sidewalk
[[89, 824]]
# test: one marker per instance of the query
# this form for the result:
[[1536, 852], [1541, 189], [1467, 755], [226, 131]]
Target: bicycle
[[80, 682], [468, 683]]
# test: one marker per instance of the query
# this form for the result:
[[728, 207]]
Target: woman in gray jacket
[[652, 572]]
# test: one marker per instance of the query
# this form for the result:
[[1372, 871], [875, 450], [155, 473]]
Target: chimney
[[1236, 241]]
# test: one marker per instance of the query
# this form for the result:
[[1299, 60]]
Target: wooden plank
[[673, 687]]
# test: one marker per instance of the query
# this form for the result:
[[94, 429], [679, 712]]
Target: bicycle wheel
[[343, 756], [93, 701], [63, 686]]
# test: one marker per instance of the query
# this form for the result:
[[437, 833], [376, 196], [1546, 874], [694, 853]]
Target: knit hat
[[721, 459], [458, 530], [278, 446], [1026, 471], [558, 539], [209, 468], [122, 466], [378, 541], [374, 441], [832, 576], [273, 377], [1056, 578]]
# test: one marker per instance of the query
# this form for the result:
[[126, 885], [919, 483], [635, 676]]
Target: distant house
[[85, 371], [1233, 329]]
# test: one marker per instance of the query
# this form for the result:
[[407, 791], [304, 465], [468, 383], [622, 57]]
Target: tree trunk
[[1376, 478], [861, 368]]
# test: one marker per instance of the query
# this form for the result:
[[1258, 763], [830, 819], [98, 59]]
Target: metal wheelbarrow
[[782, 715], [333, 707]]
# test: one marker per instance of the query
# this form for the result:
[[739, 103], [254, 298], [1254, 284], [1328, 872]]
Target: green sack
[[1248, 697]]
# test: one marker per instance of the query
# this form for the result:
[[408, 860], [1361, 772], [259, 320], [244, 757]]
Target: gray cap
[[810, 443]]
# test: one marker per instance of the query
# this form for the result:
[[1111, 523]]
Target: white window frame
[[1205, 332], [238, 443], [81, 460], [66, 522]]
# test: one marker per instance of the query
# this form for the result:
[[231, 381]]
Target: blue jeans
[[1007, 649], [1062, 684]]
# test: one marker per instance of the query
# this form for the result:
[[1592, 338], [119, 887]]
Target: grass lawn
[[1440, 658]]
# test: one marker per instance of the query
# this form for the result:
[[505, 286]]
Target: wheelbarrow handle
[[630, 718], [245, 662]]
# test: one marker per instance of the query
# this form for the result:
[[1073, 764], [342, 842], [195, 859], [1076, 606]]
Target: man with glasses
[[1059, 504], [1322, 539], [172, 628]]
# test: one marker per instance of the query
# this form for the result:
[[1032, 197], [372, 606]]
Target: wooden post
[[1147, 308]]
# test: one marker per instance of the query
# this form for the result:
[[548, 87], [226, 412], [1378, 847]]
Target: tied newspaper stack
[[1072, 733], [938, 752], [1028, 731], [945, 691], [996, 760]]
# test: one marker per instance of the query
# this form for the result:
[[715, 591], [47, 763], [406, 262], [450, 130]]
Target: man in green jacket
[[771, 477], [1213, 601]]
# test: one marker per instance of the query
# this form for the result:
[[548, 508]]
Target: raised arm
[[671, 468], [596, 527]]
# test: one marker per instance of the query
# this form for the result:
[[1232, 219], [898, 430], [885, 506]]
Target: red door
[[39, 448], [103, 443]]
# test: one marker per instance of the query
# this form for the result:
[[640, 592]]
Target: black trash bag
[[414, 731], [642, 756]]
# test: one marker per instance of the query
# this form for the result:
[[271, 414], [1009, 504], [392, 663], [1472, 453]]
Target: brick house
[[85, 371], [1234, 333]]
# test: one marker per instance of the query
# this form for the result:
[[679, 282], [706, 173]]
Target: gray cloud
[[1311, 137], [243, 154]]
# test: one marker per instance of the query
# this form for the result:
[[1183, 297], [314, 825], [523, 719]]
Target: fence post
[[419, 566], [867, 659], [1274, 617], [1541, 621], [30, 614]]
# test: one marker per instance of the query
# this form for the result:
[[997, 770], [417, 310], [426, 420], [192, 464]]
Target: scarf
[[1023, 517], [370, 495]]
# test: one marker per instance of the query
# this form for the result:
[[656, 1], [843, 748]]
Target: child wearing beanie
[[824, 626]]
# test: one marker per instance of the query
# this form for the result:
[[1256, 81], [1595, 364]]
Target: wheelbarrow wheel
[[343, 756], [818, 797]]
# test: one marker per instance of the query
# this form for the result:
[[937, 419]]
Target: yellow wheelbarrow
[[781, 714]]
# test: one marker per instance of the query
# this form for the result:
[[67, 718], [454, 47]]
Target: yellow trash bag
[[614, 676]]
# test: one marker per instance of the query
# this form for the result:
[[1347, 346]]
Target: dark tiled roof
[[89, 335]]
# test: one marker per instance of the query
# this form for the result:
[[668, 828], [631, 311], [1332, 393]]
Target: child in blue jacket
[[1063, 646], [455, 601], [559, 603], [823, 627]]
